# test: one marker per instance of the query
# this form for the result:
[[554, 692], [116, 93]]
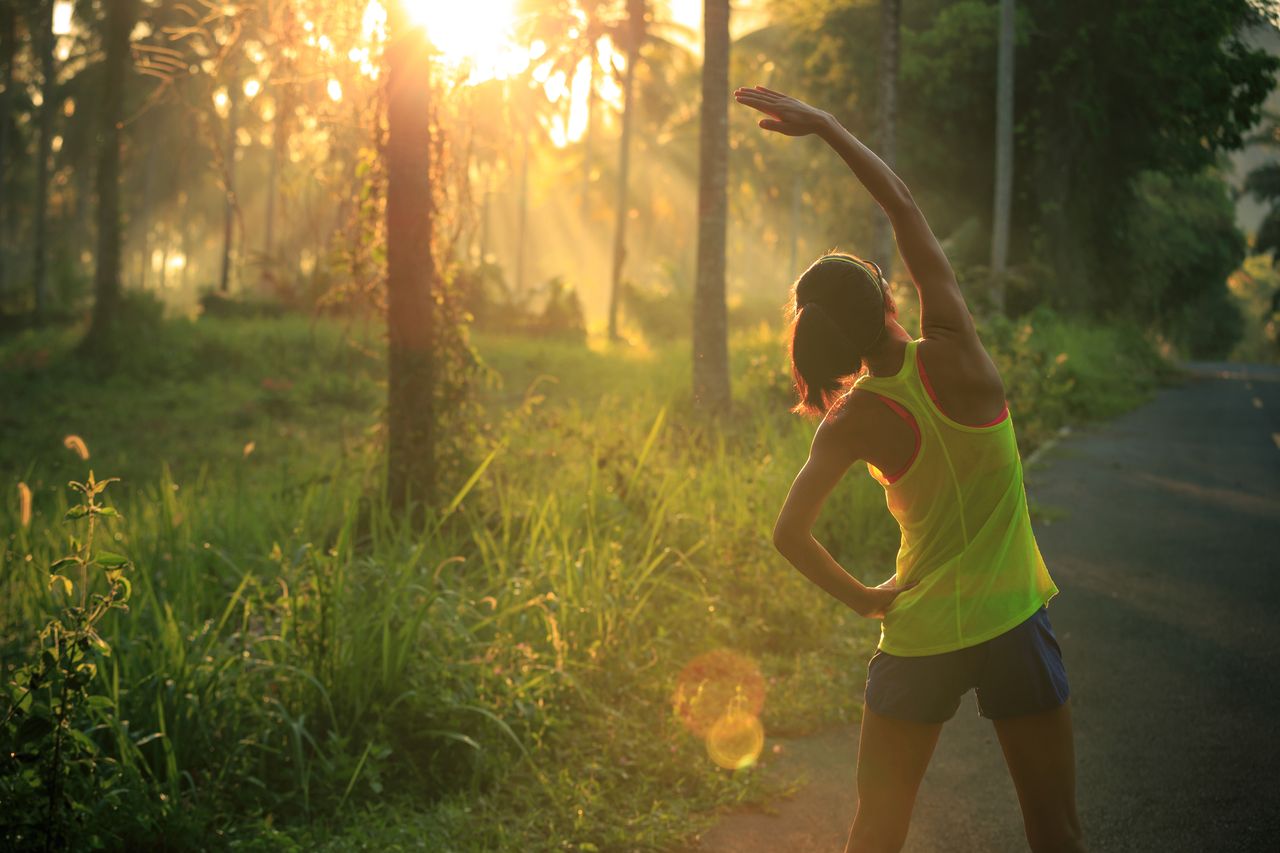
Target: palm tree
[[1004, 154], [632, 37], [710, 333], [411, 463]]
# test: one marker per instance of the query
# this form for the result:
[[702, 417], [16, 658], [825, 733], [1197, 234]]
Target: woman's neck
[[886, 358]]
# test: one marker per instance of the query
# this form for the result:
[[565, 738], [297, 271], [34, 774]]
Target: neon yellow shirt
[[966, 532]]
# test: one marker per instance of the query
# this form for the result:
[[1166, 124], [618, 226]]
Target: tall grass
[[296, 654]]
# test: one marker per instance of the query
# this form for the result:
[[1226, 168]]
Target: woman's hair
[[837, 313]]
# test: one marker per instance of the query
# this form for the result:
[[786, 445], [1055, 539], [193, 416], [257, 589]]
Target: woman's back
[[966, 532]]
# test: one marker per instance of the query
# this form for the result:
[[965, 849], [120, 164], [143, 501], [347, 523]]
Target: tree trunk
[[410, 268], [273, 171], [229, 173], [8, 34], [44, 38], [106, 278], [586, 137], [710, 318], [145, 218], [1004, 156], [635, 35], [890, 36], [522, 213]]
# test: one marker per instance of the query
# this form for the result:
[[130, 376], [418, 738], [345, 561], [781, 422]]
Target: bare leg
[[1041, 756], [892, 757]]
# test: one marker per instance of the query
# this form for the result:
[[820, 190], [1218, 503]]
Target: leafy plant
[[50, 765]]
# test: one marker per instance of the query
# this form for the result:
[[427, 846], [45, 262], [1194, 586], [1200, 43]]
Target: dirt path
[[1165, 542]]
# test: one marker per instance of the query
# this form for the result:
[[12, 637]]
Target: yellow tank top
[[966, 532]]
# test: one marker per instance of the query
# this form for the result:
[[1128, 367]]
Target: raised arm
[[943, 312]]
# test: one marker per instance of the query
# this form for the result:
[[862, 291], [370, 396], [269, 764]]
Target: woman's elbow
[[784, 539]]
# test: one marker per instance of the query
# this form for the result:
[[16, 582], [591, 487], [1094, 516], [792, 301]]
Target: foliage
[[1184, 243], [665, 313], [1263, 183], [1098, 126], [1091, 130], [214, 304], [553, 310], [1256, 289], [68, 764]]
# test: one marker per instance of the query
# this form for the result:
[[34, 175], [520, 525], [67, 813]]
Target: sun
[[472, 35]]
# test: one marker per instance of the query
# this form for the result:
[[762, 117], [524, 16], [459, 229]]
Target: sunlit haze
[[475, 36]]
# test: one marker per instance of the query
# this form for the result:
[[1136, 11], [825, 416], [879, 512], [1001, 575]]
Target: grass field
[[298, 668]]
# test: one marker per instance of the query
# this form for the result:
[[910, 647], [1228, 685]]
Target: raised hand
[[789, 116]]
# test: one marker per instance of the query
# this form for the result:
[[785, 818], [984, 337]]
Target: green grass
[[319, 672]]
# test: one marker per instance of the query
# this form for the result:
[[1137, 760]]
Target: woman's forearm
[[815, 563], [885, 187]]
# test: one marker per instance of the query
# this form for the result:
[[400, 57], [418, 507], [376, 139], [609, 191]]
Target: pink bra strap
[[915, 428]]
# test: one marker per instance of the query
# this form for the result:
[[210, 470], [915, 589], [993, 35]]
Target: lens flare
[[736, 739], [708, 684], [718, 697]]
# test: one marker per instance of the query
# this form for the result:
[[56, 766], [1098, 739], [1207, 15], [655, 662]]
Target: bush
[[1256, 289], [214, 304], [552, 310], [662, 313]]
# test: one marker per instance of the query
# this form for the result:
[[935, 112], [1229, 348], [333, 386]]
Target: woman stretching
[[966, 606]]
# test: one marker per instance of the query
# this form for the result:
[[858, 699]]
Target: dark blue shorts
[[1019, 672]]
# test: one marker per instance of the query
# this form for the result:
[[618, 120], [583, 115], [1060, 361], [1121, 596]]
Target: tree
[[1107, 108], [411, 272], [121, 15], [1004, 153], [633, 32], [44, 38], [890, 38], [229, 173], [710, 321], [8, 37]]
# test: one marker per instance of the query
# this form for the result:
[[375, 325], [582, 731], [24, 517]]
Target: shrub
[[214, 304]]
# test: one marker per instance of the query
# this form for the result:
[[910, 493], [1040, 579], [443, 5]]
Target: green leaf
[[65, 561], [110, 560], [77, 511], [107, 511], [61, 579], [102, 645]]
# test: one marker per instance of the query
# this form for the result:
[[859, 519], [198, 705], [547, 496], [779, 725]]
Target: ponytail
[[839, 307], [822, 353]]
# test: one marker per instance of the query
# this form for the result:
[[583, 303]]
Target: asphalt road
[[1162, 530]]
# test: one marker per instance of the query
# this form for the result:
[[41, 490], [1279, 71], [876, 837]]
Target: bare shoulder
[[842, 430], [855, 423]]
